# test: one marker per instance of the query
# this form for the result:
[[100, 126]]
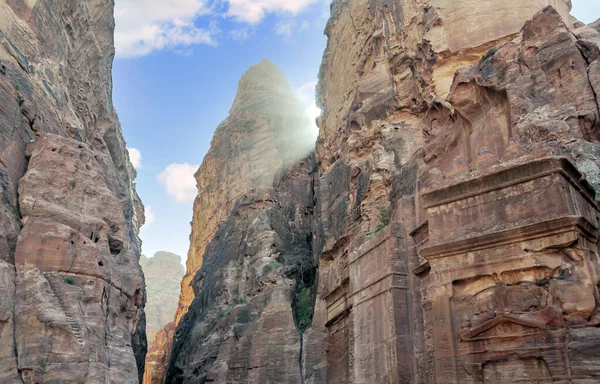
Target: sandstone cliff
[[163, 273], [72, 293], [266, 131], [448, 221], [449, 213]]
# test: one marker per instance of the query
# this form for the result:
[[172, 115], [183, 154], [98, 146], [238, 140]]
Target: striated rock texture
[[241, 326], [457, 241], [163, 273], [267, 130], [71, 289], [451, 212]]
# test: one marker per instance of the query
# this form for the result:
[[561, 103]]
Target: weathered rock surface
[[159, 353], [455, 227], [163, 273], [267, 128], [266, 131], [241, 326], [72, 292], [443, 122]]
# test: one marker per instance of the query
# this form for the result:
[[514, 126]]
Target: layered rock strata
[[454, 222], [448, 132], [72, 292], [244, 326], [267, 130], [163, 273]]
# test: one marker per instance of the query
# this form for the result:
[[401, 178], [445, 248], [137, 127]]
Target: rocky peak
[[163, 273], [170, 261], [267, 130], [260, 83]]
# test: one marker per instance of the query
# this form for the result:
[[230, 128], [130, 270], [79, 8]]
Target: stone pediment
[[497, 327]]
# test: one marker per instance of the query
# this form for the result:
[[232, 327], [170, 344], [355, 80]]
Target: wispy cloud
[[241, 34], [135, 156], [179, 182], [150, 215], [289, 28], [144, 26], [253, 11], [306, 91]]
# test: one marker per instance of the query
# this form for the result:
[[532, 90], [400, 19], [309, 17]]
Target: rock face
[[72, 292], [456, 232], [163, 273], [267, 130], [451, 216], [241, 326]]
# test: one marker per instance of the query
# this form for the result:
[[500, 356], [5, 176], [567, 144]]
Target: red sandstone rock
[[71, 289], [505, 277], [242, 188]]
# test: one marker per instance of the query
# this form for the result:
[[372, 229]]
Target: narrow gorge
[[452, 224], [439, 225]]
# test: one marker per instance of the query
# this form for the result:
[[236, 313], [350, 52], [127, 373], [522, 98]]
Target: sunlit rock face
[[163, 273], [267, 130], [71, 290], [245, 323]]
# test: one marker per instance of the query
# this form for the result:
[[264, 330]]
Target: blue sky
[[175, 77]]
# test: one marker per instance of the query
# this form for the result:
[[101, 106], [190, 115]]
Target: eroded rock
[[267, 130], [71, 307], [162, 273], [419, 102]]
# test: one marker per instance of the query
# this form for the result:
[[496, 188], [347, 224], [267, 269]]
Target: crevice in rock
[[14, 327], [303, 304], [587, 76], [301, 358]]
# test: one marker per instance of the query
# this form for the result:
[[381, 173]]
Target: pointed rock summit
[[266, 131]]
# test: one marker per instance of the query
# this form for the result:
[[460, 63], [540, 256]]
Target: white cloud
[[285, 28], [241, 34], [136, 157], [143, 26], [179, 182], [253, 11], [306, 92], [288, 28], [150, 215]]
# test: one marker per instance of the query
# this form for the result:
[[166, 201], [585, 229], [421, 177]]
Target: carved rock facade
[[453, 216], [465, 142]]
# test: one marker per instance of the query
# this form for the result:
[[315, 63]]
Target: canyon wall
[[265, 130], [446, 229], [457, 225], [163, 273], [72, 294], [243, 268]]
